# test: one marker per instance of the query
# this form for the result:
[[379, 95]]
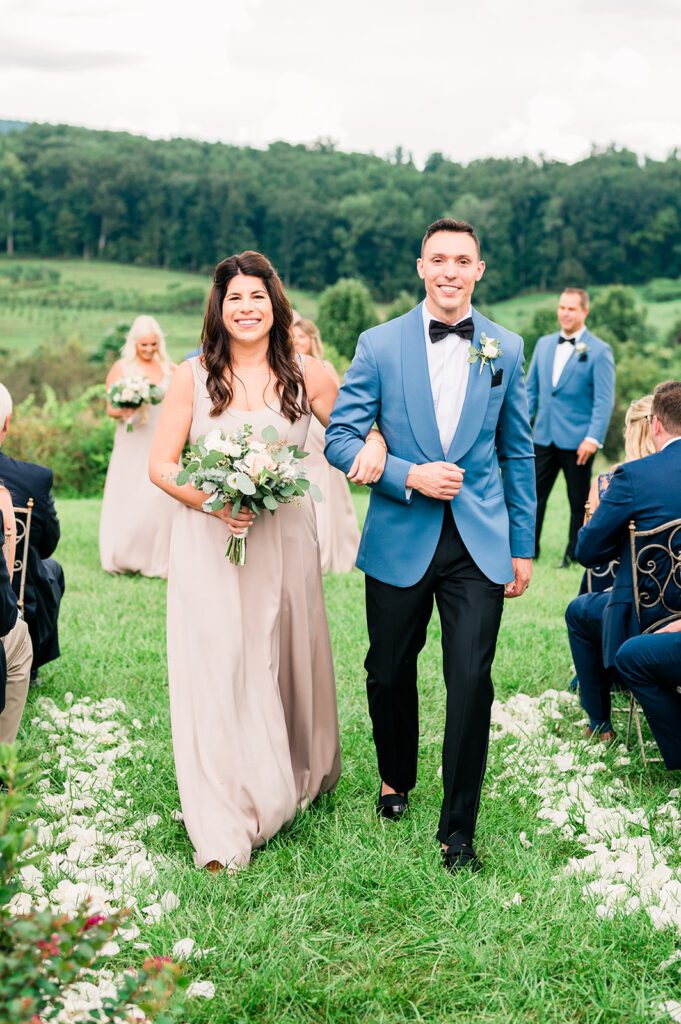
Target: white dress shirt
[[563, 353], [448, 372]]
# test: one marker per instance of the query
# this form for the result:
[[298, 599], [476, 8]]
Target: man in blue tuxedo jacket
[[450, 520], [571, 394], [648, 491]]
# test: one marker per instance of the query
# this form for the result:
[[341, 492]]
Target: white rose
[[490, 349]]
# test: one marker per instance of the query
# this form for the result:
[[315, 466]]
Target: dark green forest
[[321, 214]]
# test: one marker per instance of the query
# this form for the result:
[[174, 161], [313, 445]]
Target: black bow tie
[[464, 329], [570, 341]]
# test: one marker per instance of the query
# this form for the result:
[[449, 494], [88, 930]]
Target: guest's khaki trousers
[[19, 654]]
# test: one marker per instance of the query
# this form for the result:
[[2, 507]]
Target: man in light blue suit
[[450, 520], [571, 394]]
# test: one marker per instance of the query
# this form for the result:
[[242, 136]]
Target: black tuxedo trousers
[[548, 463], [470, 608]]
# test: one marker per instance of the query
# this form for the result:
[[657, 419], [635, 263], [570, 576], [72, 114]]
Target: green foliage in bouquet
[[235, 470], [43, 953]]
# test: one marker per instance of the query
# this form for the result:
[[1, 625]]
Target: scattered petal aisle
[[626, 848], [89, 855], [625, 866]]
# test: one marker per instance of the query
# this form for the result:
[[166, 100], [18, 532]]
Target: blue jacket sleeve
[[604, 394], [516, 461], [604, 536], [533, 384], [356, 410]]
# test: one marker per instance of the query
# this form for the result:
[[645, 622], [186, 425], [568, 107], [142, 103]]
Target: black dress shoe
[[460, 858], [391, 805], [567, 562]]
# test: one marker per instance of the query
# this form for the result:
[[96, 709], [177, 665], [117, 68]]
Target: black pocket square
[[497, 378]]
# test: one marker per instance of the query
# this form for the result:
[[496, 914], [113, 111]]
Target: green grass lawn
[[344, 918]]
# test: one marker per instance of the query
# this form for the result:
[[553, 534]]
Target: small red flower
[[156, 962], [49, 947], [93, 921]]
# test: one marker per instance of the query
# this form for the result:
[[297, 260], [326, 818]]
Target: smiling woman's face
[[146, 347], [247, 309]]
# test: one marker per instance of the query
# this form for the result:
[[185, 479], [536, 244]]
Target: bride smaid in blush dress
[[136, 518], [336, 517], [252, 693]]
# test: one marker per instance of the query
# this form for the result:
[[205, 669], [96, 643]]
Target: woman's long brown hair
[[217, 345]]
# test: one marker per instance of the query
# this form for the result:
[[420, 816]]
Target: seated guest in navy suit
[[571, 394], [648, 491], [44, 575], [15, 644], [650, 666]]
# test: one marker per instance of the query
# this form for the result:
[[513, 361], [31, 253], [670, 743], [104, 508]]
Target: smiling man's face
[[450, 266]]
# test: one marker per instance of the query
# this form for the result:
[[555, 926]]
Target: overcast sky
[[469, 78]]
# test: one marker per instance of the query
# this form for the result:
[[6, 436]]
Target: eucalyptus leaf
[[270, 434], [303, 484], [245, 484], [182, 477], [270, 502]]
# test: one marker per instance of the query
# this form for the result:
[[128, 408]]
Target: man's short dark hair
[[582, 292], [667, 405], [461, 227]]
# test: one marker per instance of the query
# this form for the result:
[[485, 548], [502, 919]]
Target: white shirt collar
[[573, 337], [670, 441], [428, 316]]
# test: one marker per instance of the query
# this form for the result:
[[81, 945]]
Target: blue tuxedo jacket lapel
[[568, 370], [418, 396], [475, 402]]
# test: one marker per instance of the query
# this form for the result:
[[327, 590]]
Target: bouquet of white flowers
[[134, 393], [238, 471]]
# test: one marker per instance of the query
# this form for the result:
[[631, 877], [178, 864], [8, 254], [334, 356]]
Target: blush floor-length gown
[[136, 517], [252, 692], [336, 518]]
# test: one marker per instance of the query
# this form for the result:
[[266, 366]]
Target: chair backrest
[[23, 517], [656, 574], [602, 577]]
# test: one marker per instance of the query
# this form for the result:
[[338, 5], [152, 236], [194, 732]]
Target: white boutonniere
[[581, 349], [490, 349]]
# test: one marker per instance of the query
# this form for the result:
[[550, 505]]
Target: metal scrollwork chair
[[23, 518], [656, 579], [600, 578]]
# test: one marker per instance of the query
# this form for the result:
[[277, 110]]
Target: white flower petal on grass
[[183, 948], [110, 949], [673, 1008], [201, 990], [674, 958], [153, 913], [524, 841], [178, 816], [169, 901]]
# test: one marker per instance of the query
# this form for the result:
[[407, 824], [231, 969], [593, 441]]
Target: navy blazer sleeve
[[50, 533], [604, 536]]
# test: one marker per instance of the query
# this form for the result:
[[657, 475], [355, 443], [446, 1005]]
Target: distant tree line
[[321, 214]]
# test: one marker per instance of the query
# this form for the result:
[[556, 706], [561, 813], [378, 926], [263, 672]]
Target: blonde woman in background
[[134, 529], [336, 520], [638, 442]]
